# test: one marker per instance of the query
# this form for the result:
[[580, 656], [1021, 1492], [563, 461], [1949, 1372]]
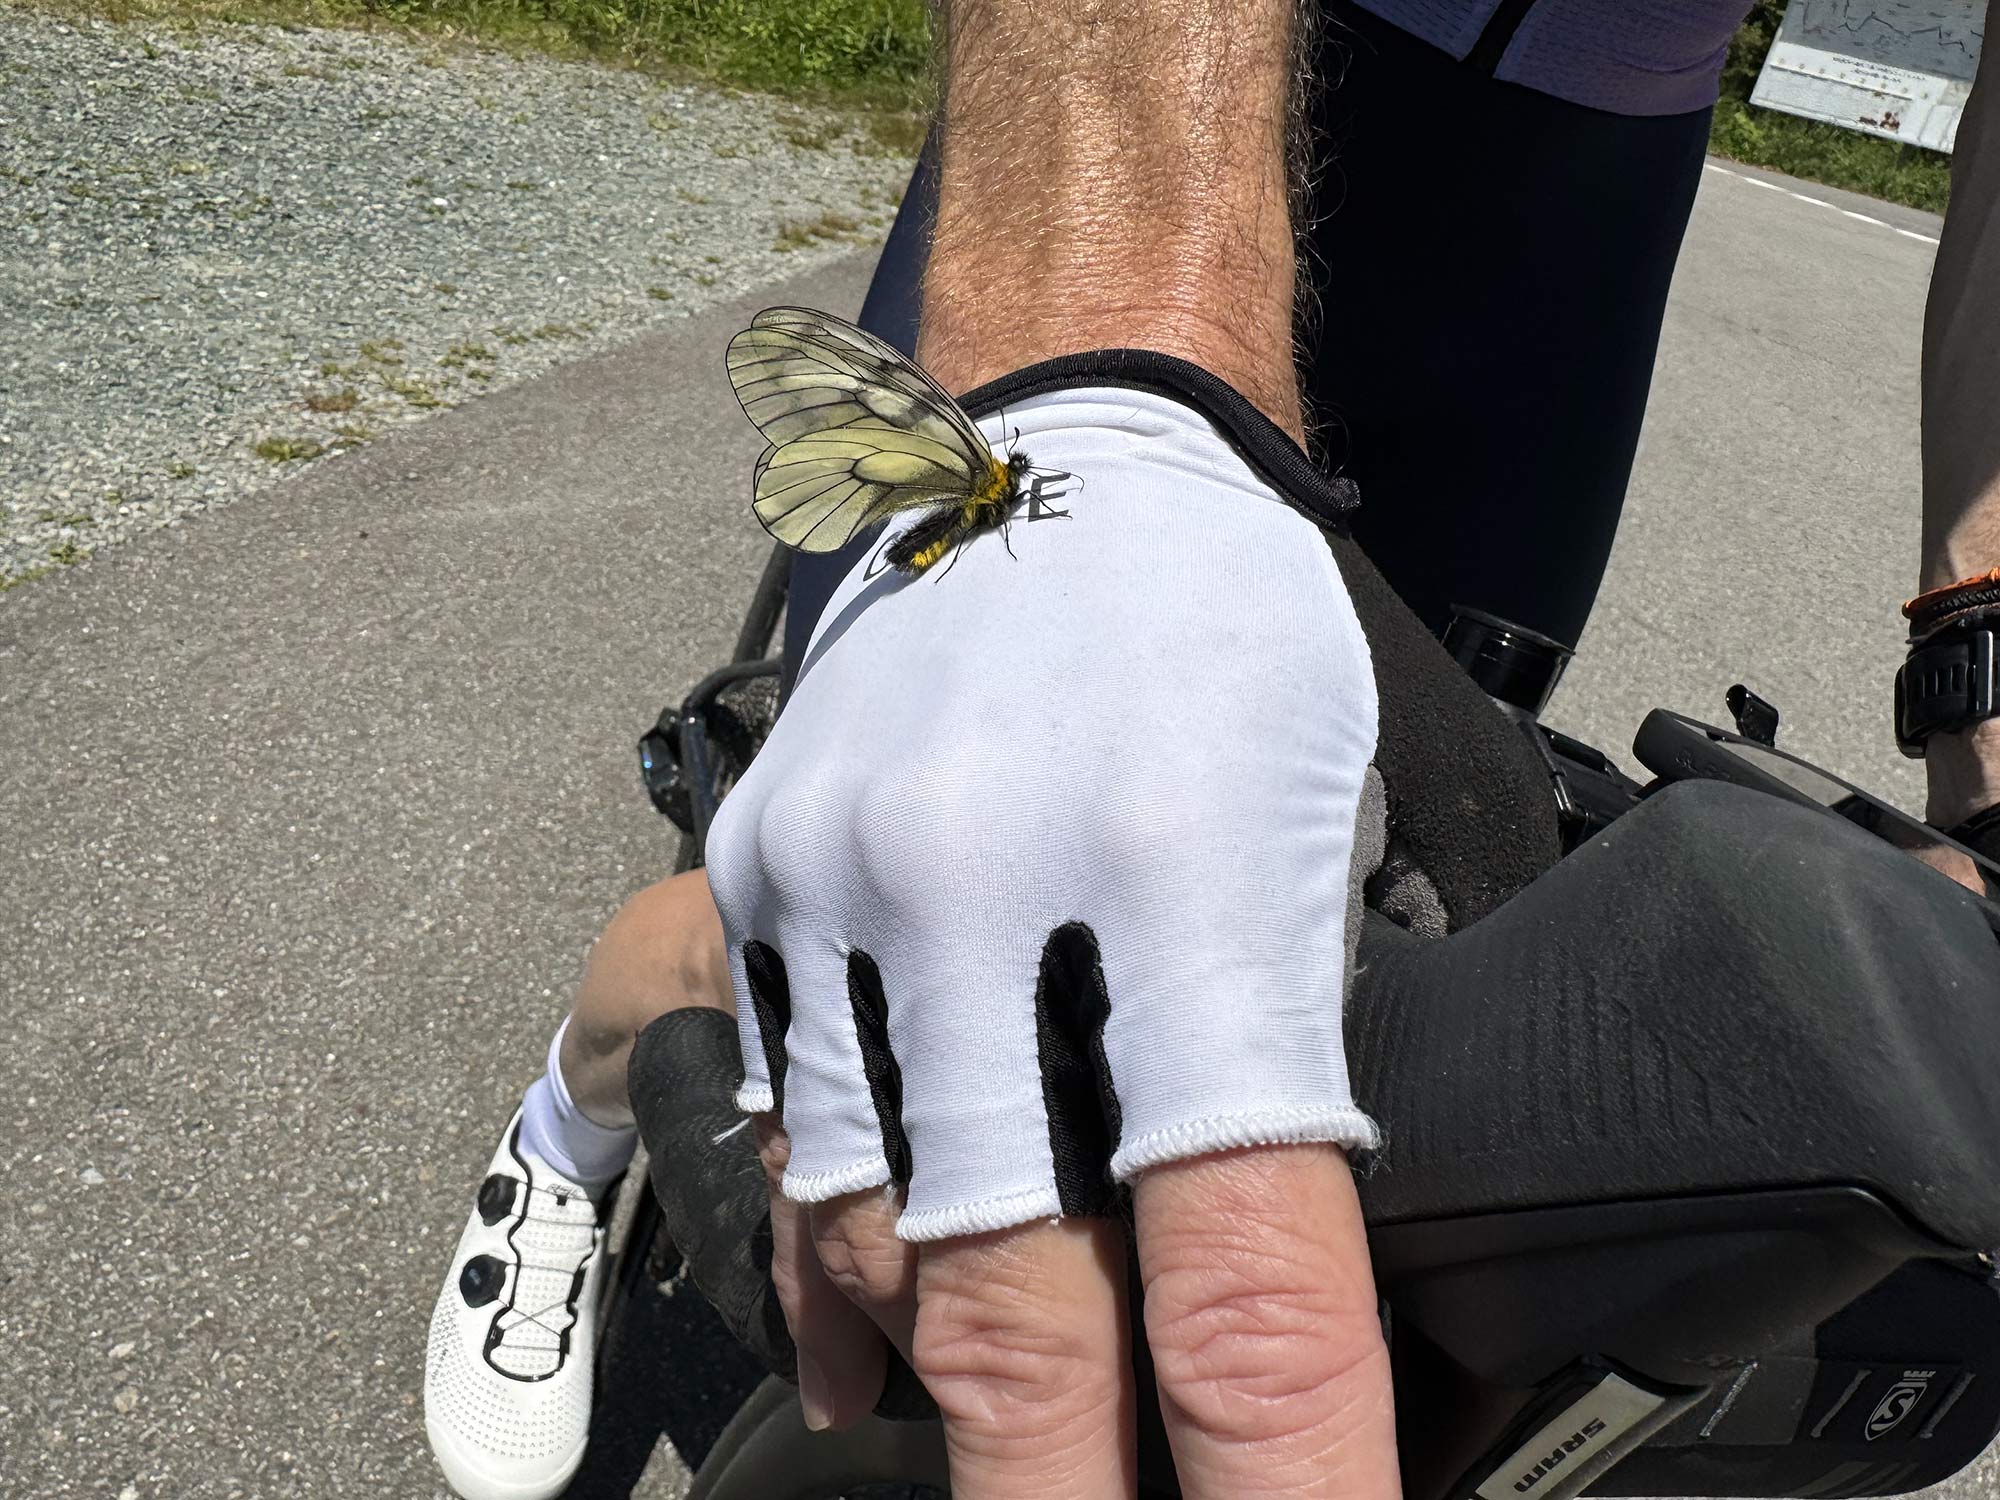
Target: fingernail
[[815, 1396]]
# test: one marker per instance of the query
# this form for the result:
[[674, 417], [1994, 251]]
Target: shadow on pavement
[[674, 1372]]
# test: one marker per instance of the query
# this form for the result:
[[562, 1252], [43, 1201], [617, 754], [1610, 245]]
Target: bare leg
[[663, 951], [508, 1369]]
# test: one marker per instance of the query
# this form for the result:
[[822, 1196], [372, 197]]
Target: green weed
[[285, 450], [796, 234]]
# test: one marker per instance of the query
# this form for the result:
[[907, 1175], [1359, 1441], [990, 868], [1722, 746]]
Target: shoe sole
[[464, 1472]]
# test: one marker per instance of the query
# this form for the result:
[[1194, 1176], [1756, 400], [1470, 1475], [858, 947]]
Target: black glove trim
[[1325, 500]]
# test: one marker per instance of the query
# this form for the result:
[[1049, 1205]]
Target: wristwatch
[[1948, 681]]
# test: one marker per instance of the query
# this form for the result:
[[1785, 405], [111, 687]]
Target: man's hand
[[1043, 880]]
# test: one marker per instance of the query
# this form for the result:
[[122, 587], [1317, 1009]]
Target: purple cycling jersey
[[1631, 57]]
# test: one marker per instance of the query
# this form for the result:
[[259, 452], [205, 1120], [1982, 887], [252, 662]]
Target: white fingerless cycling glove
[[1042, 877]]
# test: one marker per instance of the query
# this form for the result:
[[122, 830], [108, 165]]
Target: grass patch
[[181, 469], [1807, 148], [286, 450], [415, 392], [460, 355], [797, 234], [26, 575], [807, 133], [67, 554], [867, 53]]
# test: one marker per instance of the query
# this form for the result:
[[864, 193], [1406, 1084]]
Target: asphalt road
[[1770, 531], [312, 807]]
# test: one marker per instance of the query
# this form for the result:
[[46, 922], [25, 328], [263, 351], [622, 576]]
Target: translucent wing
[[856, 431], [815, 492], [797, 371]]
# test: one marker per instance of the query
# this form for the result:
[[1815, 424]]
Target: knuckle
[[1257, 1367], [788, 824], [996, 1361], [933, 785], [895, 815], [1250, 1340], [731, 870], [861, 1255]]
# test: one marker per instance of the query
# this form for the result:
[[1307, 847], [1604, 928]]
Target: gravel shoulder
[[311, 813], [227, 252]]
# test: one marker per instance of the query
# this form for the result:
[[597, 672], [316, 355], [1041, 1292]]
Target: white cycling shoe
[[507, 1383]]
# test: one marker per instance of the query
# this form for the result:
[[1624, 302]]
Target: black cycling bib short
[[1500, 203]]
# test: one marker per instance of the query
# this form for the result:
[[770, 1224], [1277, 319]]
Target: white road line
[[1908, 234]]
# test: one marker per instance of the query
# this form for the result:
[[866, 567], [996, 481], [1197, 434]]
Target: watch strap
[[1946, 684]]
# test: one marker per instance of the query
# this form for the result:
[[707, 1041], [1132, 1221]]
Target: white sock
[[587, 1153]]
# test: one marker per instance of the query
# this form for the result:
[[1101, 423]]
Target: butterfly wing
[[856, 431], [815, 492], [796, 371]]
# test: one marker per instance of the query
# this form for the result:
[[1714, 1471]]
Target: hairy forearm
[[1961, 425], [1113, 173]]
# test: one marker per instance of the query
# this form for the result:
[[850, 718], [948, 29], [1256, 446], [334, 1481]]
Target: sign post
[[1895, 68]]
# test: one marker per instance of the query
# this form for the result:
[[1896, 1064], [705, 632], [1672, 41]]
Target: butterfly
[[858, 433]]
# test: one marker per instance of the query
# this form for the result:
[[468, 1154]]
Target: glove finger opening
[[1071, 1007]]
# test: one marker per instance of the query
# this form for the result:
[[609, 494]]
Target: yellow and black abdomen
[[931, 539]]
